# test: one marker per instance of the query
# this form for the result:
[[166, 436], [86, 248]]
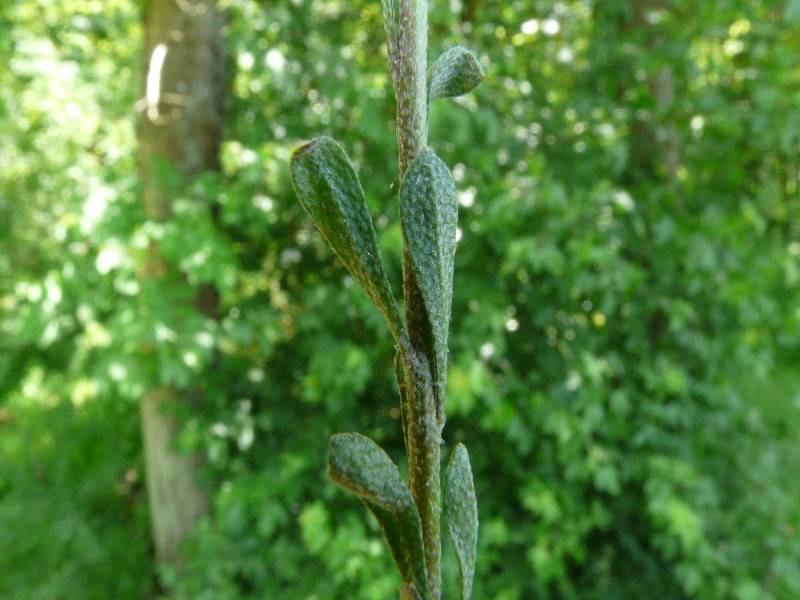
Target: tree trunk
[[181, 124], [655, 142]]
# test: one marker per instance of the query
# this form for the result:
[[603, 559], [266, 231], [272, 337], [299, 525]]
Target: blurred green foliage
[[625, 334]]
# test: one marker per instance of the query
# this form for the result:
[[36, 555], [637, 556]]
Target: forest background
[[626, 318]]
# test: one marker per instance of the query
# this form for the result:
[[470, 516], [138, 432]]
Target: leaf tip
[[457, 72]]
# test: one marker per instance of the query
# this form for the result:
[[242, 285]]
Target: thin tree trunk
[[656, 143], [181, 124]]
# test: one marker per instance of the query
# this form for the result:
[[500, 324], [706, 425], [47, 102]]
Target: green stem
[[409, 71]]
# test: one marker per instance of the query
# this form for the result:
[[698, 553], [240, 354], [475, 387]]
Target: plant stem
[[423, 433], [411, 81], [422, 439]]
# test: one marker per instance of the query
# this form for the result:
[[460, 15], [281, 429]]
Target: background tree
[[179, 138]]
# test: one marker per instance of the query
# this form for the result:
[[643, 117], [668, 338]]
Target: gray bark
[[180, 125]]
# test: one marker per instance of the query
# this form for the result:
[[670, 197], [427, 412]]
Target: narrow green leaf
[[331, 194], [461, 515], [409, 592], [429, 214], [455, 73], [359, 465]]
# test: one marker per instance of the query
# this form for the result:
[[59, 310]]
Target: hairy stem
[[422, 439], [411, 81], [409, 72]]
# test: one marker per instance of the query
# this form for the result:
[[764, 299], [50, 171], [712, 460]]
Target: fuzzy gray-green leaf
[[429, 214], [331, 194], [360, 466], [455, 73], [461, 515]]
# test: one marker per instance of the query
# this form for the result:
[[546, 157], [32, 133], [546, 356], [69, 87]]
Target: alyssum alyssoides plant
[[331, 194]]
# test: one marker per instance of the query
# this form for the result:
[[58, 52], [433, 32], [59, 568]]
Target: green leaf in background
[[455, 73], [461, 515], [359, 465], [329, 190], [409, 592], [429, 214]]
